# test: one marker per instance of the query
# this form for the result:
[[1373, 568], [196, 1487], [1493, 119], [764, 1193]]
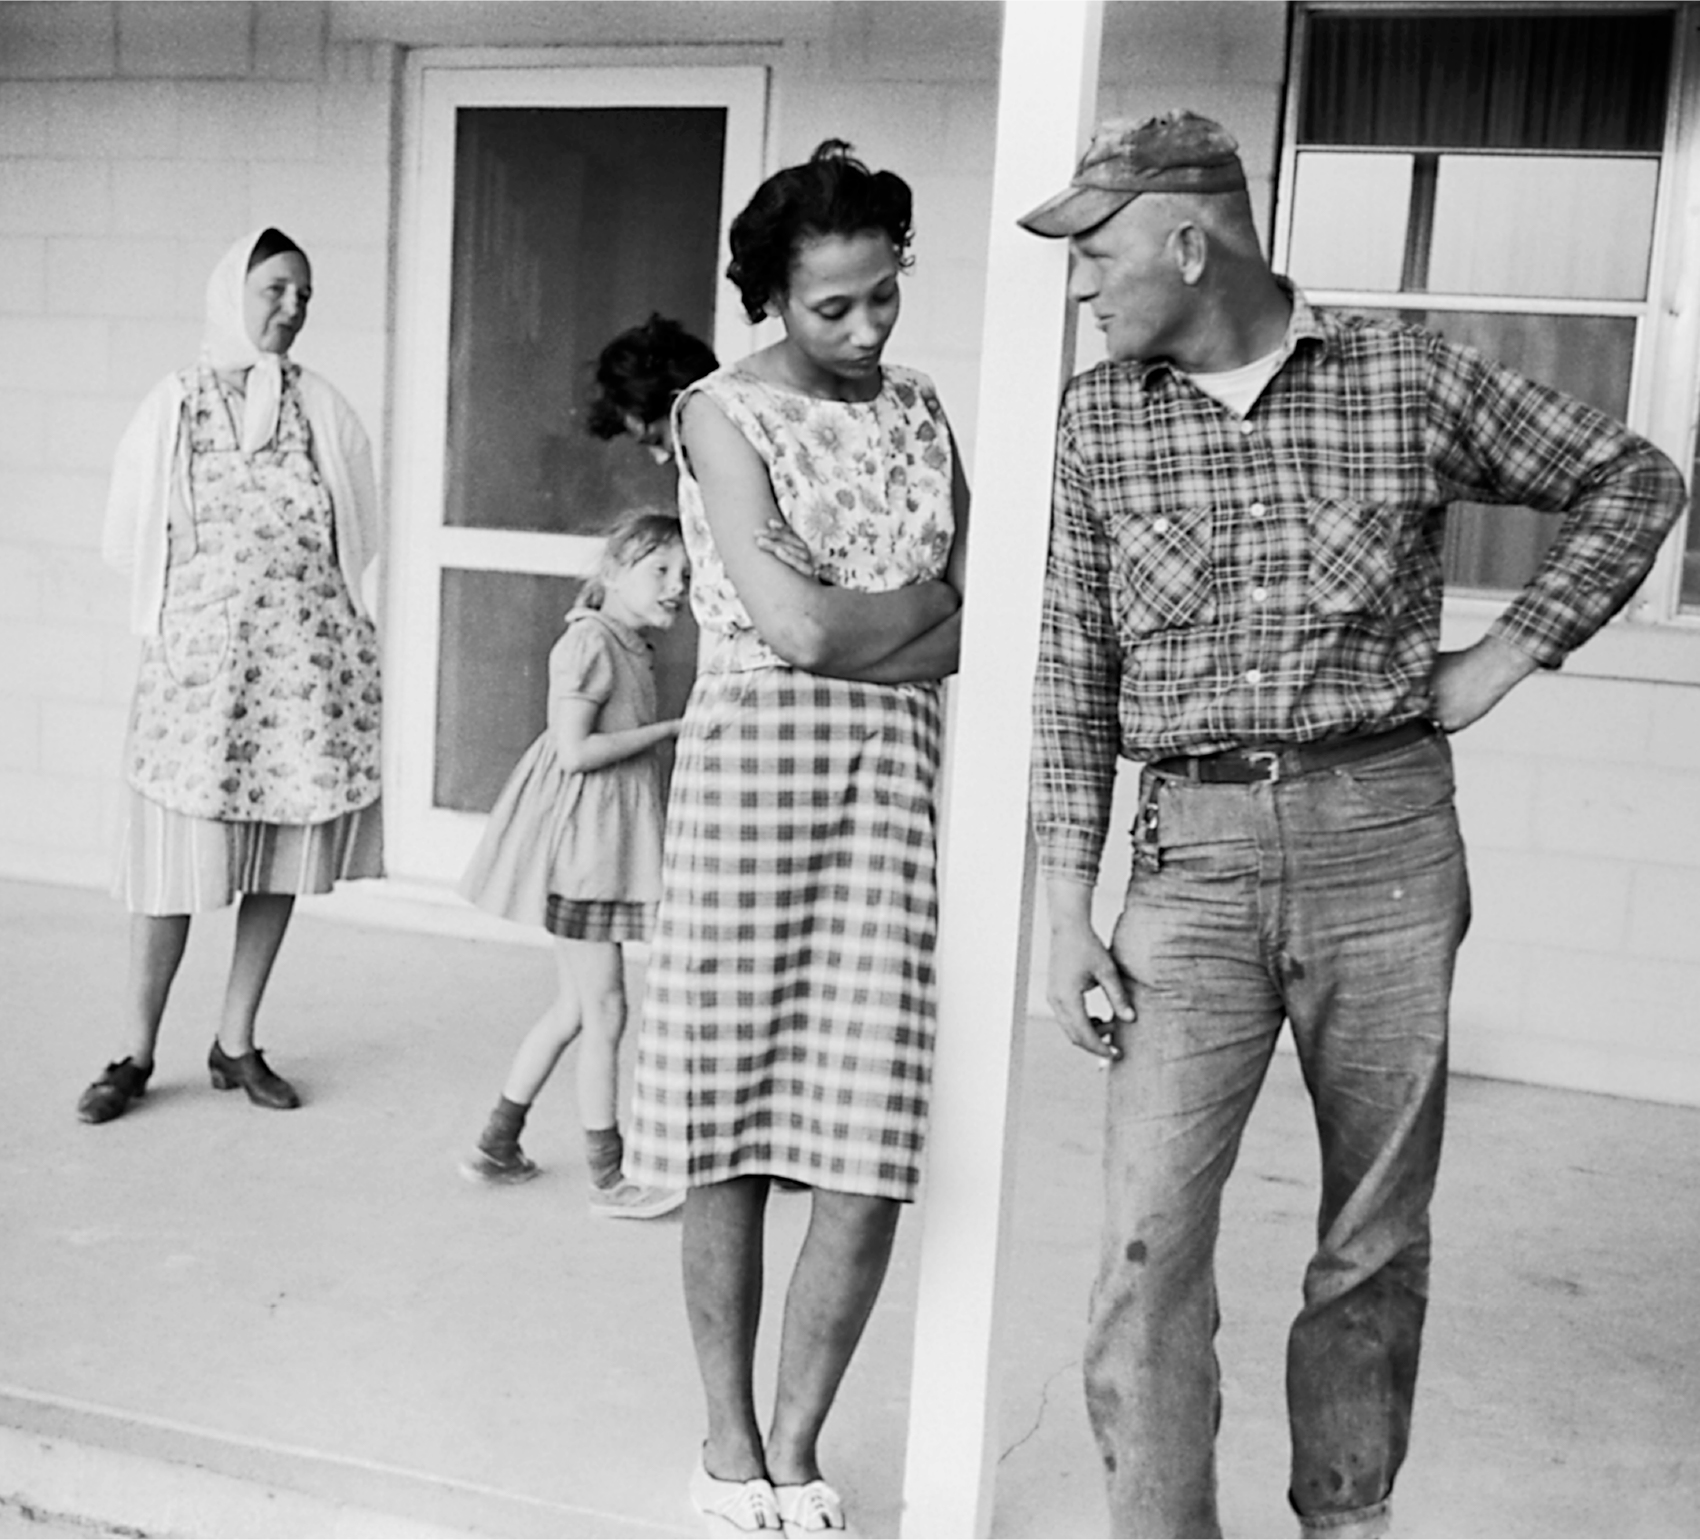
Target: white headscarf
[[226, 345], [150, 469]]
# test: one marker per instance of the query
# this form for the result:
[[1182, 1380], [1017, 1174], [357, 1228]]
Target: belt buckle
[[1268, 760]]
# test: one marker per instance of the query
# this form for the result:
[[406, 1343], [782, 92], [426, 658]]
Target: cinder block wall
[[137, 142], [914, 87], [1578, 798], [137, 139]]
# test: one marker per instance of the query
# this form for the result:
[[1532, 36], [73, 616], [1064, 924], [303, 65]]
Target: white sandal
[[810, 1509], [735, 1507]]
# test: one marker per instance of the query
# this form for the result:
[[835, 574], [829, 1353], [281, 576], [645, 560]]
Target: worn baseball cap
[[1172, 152]]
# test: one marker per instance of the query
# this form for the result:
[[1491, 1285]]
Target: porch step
[[125, 1474]]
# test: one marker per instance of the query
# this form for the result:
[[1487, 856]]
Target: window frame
[[1664, 390]]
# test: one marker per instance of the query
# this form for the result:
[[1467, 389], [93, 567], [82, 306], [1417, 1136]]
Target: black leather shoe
[[110, 1096], [251, 1072]]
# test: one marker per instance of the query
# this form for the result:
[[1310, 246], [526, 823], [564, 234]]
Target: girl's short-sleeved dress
[[789, 1001], [253, 747], [580, 853]]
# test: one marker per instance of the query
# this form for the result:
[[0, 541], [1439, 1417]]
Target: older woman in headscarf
[[244, 510]]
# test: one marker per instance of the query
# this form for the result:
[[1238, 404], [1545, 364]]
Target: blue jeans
[[1335, 901]]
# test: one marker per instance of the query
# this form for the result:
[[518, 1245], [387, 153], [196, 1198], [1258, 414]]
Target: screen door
[[554, 209]]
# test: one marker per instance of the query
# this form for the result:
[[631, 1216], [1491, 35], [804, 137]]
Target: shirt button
[[1257, 510], [1260, 594], [1254, 676], [1161, 526], [1246, 429]]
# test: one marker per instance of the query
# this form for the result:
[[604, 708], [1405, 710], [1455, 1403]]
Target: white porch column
[[1047, 90]]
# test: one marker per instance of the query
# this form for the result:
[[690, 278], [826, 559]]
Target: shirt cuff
[[1519, 628], [1069, 851]]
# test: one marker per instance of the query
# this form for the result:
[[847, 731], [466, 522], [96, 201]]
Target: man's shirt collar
[[1304, 324]]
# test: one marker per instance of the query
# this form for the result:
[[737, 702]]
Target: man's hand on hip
[[1080, 963], [1466, 685]]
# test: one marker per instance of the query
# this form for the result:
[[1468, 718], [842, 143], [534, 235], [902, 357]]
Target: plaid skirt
[[789, 998], [598, 919]]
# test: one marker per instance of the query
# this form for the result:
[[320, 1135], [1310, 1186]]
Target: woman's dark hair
[[271, 242], [642, 370], [832, 193]]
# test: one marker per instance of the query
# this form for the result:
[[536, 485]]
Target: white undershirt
[[1238, 389]]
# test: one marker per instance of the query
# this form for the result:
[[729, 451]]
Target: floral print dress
[[866, 485], [260, 700], [789, 998]]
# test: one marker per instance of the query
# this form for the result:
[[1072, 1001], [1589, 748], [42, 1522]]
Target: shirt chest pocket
[[1353, 563], [1164, 577]]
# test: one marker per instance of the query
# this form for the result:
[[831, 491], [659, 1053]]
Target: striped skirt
[[172, 863], [789, 999]]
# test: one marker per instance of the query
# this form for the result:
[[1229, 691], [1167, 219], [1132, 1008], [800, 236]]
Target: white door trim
[[428, 843]]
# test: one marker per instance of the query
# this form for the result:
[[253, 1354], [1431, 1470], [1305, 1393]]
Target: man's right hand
[[1080, 963]]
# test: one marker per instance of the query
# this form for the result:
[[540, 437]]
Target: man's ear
[[1189, 248]]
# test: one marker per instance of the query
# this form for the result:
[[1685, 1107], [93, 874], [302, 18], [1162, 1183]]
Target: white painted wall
[[1580, 801], [136, 141]]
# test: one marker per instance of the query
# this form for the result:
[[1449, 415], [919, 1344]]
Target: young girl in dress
[[574, 844]]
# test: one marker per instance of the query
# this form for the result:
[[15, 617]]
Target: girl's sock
[[605, 1153], [507, 1120]]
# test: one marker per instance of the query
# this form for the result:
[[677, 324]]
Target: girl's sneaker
[[627, 1200], [500, 1165]]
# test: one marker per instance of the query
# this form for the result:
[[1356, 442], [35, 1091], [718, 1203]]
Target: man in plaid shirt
[[1243, 594]]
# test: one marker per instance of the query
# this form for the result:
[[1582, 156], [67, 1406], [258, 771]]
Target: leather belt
[[1279, 761]]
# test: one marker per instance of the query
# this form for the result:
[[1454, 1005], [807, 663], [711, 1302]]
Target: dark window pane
[[493, 681], [493, 678], [570, 225], [1590, 357], [1559, 80]]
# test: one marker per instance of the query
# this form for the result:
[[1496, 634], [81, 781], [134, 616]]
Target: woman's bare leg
[[261, 921], [833, 1288], [157, 942], [723, 1234]]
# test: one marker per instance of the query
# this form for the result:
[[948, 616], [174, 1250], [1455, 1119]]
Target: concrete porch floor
[[218, 1321]]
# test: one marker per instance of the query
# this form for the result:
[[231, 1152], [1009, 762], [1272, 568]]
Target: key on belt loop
[[1268, 759]]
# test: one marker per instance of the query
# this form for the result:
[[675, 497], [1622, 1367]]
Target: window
[[1494, 176]]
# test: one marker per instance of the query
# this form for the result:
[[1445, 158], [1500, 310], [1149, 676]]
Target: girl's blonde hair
[[632, 538]]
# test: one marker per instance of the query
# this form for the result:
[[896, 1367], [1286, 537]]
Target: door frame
[[426, 842]]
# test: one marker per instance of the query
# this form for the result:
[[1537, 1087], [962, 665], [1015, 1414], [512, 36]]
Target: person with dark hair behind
[[789, 1009], [639, 376]]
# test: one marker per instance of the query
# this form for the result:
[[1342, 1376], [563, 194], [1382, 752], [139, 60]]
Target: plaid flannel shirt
[[1215, 581]]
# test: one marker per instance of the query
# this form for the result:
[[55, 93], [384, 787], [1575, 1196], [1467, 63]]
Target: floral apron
[[260, 700]]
